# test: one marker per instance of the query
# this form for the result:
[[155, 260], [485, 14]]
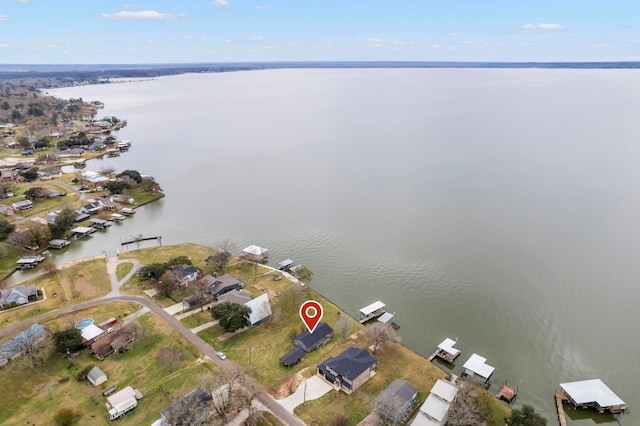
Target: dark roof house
[[223, 284], [198, 403], [18, 295], [310, 341], [349, 370]]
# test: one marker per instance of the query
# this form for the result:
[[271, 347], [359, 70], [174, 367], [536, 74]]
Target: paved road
[[277, 409]]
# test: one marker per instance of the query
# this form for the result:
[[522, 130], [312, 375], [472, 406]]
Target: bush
[[66, 417], [83, 374], [491, 410]]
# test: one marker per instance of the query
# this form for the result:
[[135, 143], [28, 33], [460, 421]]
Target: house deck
[[560, 398]]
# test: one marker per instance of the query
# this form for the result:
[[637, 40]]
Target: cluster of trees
[[69, 340], [132, 179], [154, 271], [231, 316]]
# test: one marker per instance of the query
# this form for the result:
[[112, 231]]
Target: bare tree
[[108, 171], [49, 266], [344, 326], [201, 291], [170, 357], [167, 284], [224, 389], [33, 343], [222, 255], [391, 410], [302, 273], [378, 333]]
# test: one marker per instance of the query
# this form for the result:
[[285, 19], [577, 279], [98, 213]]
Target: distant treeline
[[98, 72]]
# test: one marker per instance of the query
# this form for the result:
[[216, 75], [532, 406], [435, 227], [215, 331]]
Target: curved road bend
[[270, 402]]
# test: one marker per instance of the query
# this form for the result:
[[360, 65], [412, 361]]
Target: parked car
[[221, 355]]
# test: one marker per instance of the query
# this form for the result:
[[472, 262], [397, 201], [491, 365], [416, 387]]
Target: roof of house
[[435, 407], [200, 397], [238, 296], [400, 389], [444, 390], [21, 204], [350, 363], [183, 272], [477, 364], [260, 308], [372, 308], [12, 346], [81, 230], [309, 339], [291, 357], [11, 295], [91, 331], [447, 346], [95, 373], [594, 390]]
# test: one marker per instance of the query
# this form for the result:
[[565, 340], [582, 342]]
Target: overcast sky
[[161, 31]]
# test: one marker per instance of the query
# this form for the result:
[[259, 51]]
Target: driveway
[[315, 388]]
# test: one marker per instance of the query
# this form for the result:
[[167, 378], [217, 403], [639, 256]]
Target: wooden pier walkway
[[561, 418]]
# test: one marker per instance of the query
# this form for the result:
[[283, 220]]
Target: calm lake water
[[500, 207]]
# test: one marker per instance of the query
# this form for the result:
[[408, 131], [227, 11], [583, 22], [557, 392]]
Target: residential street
[[112, 262]]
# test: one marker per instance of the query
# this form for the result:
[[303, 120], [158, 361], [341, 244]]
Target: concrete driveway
[[316, 387]]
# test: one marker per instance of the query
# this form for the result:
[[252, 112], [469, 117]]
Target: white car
[[221, 355]]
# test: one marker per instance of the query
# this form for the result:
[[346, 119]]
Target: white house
[[260, 309]]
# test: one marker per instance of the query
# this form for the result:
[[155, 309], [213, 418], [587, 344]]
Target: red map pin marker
[[311, 314]]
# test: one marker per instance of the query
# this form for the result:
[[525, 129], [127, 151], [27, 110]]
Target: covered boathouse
[[477, 369], [371, 311], [592, 394]]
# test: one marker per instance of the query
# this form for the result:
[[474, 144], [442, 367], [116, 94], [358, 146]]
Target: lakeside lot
[[38, 393]]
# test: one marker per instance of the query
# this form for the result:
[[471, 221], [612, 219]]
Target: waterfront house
[[96, 376], [593, 394], [223, 284], [477, 369], [260, 310], [348, 370], [395, 401], [185, 275], [435, 409], [310, 341]]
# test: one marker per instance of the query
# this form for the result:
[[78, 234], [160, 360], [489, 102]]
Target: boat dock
[[29, 262], [560, 397], [446, 351], [58, 244], [507, 393], [371, 311]]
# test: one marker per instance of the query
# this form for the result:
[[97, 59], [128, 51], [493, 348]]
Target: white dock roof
[[477, 364], [595, 390], [254, 250], [372, 308], [81, 230], [385, 318], [447, 346]]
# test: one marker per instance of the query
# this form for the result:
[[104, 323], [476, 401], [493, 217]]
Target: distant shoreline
[[81, 74]]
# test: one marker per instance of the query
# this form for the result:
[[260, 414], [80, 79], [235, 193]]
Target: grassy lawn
[[197, 319], [8, 260], [38, 394], [123, 269], [77, 283], [146, 256]]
